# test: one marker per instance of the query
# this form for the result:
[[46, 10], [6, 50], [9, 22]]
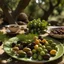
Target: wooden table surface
[[6, 59]]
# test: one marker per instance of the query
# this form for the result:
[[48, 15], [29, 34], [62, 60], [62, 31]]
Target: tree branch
[[58, 2], [6, 11], [41, 7], [51, 5], [50, 10], [21, 6]]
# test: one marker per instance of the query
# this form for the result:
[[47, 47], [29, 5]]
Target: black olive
[[42, 43], [0, 43], [40, 37], [20, 47], [24, 44], [13, 44], [46, 57], [18, 42], [29, 54], [31, 46], [49, 51]]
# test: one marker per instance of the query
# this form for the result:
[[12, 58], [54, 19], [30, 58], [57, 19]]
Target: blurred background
[[50, 10]]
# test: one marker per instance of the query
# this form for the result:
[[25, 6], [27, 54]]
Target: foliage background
[[34, 11]]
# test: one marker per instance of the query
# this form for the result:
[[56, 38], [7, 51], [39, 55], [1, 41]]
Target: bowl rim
[[55, 35]]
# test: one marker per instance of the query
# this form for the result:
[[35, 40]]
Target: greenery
[[22, 37], [12, 4], [37, 26], [43, 9], [3, 37], [28, 37], [38, 10], [35, 10]]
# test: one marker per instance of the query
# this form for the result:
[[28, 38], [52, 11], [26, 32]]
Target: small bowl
[[12, 29]]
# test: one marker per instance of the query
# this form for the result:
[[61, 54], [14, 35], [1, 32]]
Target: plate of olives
[[56, 32], [37, 49]]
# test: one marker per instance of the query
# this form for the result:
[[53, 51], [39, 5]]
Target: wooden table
[[5, 59]]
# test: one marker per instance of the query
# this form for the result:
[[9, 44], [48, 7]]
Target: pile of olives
[[37, 26], [59, 31], [43, 49], [21, 49], [39, 49]]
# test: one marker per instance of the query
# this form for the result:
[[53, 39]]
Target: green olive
[[49, 47], [40, 45], [47, 44], [56, 48], [34, 51], [53, 44], [21, 53], [34, 56], [50, 41], [15, 48], [35, 37], [42, 53], [43, 46], [46, 50], [40, 57], [39, 49], [26, 49]]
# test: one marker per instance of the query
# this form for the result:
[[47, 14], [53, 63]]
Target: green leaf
[[3, 36], [24, 37]]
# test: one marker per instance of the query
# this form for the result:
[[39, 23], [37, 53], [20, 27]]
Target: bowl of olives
[[38, 50], [56, 32]]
